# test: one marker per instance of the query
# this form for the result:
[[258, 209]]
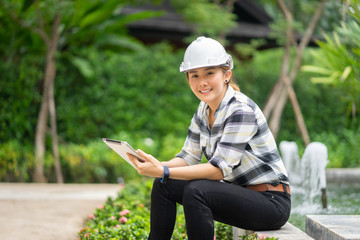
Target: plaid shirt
[[239, 143]]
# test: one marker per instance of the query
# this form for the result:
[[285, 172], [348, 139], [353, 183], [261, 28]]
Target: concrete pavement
[[49, 211]]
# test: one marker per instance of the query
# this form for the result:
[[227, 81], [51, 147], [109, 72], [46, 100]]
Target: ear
[[228, 74]]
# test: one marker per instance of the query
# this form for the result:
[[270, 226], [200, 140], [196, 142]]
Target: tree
[[70, 23], [338, 57], [283, 88], [211, 18]]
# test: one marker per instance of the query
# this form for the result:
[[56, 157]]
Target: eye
[[194, 76], [210, 73]]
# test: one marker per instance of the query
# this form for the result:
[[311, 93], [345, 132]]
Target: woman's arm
[[198, 171], [175, 162], [179, 169]]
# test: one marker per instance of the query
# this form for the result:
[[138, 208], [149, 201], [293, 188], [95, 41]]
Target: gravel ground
[[49, 211]]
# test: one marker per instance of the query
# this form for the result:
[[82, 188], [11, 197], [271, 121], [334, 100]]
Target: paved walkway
[[49, 211]]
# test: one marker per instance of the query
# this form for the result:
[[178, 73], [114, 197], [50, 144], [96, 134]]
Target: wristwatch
[[165, 175]]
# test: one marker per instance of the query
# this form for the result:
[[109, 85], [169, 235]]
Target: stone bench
[[333, 227], [288, 231]]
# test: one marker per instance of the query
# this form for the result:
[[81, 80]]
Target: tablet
[[121, 148]]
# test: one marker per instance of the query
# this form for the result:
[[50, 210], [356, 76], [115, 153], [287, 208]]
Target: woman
[[244, 182]]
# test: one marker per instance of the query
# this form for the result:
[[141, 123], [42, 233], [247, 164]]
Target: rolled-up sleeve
[[239, 129], [191, 151]]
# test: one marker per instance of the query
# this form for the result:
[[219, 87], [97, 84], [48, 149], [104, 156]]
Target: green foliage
[[141, 92], [338, 59], [100, 24], [15, 161], [125, 217], [223, 231], [255, 236], [210, 19], [19, 99], [93, 162], [302, 12], [342, 148]]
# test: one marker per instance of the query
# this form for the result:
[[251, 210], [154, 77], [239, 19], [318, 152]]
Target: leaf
[[309, 68], [26, 5], [321, 80], [113, 40], [119, 21], [326, 80], [346, 73], [99, 15], [83, 66]]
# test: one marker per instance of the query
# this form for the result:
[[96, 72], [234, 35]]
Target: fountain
[[306, 175], [291, 158]]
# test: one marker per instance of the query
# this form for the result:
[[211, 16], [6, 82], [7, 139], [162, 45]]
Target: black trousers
[[206, 200]]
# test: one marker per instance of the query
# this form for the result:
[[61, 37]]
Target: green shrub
[[20, 99], [84, 163], [342, 148], [16, 161], [95, 162], [139, 92]]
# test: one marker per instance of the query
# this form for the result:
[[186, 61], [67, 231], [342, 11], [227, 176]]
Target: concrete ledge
[[343, 175], [288, 231], [333, 227]]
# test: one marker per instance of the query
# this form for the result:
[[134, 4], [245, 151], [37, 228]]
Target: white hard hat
[[205, 52]]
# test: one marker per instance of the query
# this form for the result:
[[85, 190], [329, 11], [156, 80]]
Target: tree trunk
[[48, 106], [40, 136], [299, 117], [276, 102], [52, 110]]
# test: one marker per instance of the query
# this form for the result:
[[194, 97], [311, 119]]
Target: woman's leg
[[163, 207], [205, 201]]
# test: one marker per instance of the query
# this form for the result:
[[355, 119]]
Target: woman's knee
[[193, 191]]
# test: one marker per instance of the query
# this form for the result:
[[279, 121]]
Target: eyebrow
[[206, 69]]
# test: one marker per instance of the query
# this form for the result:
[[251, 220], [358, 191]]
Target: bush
[[84, 163], [16, 162], [20, 99], [95, 162], [141, 92]]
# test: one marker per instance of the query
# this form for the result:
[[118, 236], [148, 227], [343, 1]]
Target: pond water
[[342, 199]]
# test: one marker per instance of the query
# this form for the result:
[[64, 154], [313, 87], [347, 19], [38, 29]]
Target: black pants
[[206, 200]]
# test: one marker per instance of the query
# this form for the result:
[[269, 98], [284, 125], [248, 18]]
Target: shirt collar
[[226, 99], [228, 96]]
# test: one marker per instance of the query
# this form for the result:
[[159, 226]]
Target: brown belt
[[268, 187]]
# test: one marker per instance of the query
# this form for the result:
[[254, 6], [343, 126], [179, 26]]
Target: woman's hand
[[151, 167]]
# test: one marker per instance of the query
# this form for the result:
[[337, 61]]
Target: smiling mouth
[[205, 91]]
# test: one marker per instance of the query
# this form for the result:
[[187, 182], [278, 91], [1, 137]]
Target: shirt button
[[272, 196]]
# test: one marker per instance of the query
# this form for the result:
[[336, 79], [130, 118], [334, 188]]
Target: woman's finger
[[133, 159], [148, 157]]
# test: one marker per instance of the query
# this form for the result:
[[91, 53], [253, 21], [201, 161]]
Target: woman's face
[[208, 84]]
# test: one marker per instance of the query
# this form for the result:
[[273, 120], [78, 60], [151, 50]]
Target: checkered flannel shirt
[[239, 143]]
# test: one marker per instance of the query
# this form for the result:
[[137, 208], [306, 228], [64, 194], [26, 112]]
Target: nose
[[203, 82]]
